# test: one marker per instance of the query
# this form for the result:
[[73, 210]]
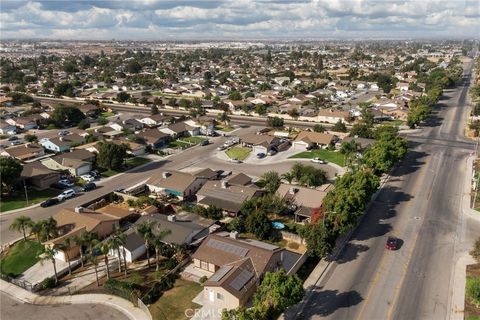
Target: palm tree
[[288, 176], [348, 149], [118, 240], [94, 261], [145, 231], [104, 247], [84, 240], [48, 253], [49, 228], [37, 229], [271, 181], [21, 224], [66, 246], [157, 242], [224, 117]]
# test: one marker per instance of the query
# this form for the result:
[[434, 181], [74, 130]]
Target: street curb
[[6, 213], [120, 304]]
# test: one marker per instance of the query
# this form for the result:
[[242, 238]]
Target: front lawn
[[107, 114], [178, 144], [240, 153], [472, 292], [20, 257], [193, 140], [17, 200], [136, 161], [174, 303], [330, 156], [224, 128]]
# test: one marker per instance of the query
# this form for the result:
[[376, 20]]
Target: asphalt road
[[421, 205], [196, 157], [10, 310]]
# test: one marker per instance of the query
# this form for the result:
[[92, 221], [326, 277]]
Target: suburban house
[[206, 125], [38, 176], [25, 123], [235, 266], [72, 223], [303, 201], [260, 143], [180, 129], [77, 162], [62, 143], [225, 196], [363, 142], [185, 229], [154, 138], [306, 140], [155, 120], [24, 152], [180, 184], [7, 128], [332, 116], [89, 109]]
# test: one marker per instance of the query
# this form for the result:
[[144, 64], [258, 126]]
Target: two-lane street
[[421, 205]]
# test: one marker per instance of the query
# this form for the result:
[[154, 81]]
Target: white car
[[87, 178], [318, 160], [67, 194], [66, 182]]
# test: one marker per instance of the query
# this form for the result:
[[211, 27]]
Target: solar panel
[[227, 247], [241, 280], [221, 273]]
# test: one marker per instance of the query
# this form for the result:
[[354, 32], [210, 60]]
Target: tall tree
[[22, 223], [94, 261], [117, 240], [224, 117], [66, 247], [157, 243], [349, 149], [66, 115], [10, 170], [111, 155], [104, 247], [271, 181], [145, 231], [49, 253]]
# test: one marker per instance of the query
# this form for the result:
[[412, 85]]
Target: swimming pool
[[277, 225]]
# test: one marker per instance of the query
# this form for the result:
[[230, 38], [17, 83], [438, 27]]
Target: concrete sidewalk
[[118, 303]]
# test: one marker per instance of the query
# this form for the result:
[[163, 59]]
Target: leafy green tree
[[158, 244], [259, 224], [83, 124], [123, 96], [349, 150], [145, 230], [294, 114], [102, 121], [235, 95], [224, 117], [104, 248], [475, 253], [134, 67], [66, 115], [275, 122], [339, 127], [111, 156], [22, 223], [261, 109], [49, 254], [320, 239], [30, 138], [319, 128], [271, 181], [385, 153], [64, 89], [154, 110], [10, 170]]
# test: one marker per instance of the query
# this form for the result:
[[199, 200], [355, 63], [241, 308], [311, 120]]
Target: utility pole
[[26, 192]]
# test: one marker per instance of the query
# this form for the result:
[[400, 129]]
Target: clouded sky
[[239, 19]]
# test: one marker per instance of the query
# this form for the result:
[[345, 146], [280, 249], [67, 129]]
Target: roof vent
[[172, 218], [165, 174], [79, 209], [224, 184], [292, 190], [234, 234]]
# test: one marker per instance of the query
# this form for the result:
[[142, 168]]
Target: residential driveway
[[11, 309], [41, 270]]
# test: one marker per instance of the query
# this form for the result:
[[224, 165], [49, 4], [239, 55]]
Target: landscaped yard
[[17, 200], [178, 144], [473, 275], [193, 140], [21, 256], [240, 153], [174, 302], [107, 114], [330, 156], [225, 128], [130, 164]]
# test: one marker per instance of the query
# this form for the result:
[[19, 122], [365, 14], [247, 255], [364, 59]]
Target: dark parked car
[[89, 187], [392, 243], [49, 202], [260, 155], [12, 138], [205, 143]]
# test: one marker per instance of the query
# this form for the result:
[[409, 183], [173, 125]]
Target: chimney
[[234, 234], [292, 190], [166, 174], [79, 209], [224, 184], [61, 138], [172, 218]]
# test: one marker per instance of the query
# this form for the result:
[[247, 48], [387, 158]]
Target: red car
[[392, 243]]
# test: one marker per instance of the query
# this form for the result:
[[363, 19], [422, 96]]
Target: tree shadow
[[150, 166], [411, 163], [326, 302], [351, 252]]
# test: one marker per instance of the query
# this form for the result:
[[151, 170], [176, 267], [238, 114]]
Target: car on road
[[2, 146], [222, 147], [392, 243], [63, 132], [15, 143], [235, 160], [87, 177], [205, 142], [49, 202], [12, 138], [95, 173], [318, 160], [272, 152], [260, 155], [89, 187], [66, 182], [67, 194]]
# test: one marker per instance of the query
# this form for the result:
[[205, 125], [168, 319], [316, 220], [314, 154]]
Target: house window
[[204, 265], [219, 296]]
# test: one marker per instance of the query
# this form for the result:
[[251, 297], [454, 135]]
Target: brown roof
[[116, 212], [315, 137], [333, 113], [256, 139], [36, 169], [176, 180], [152, 135], [25, 151], [239, 179], [219, 249], [206, 173], [67, 140], [302, 196], [75, 158], [88, 219]]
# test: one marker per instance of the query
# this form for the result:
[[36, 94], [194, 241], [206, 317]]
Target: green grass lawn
[[193, 140], [107, 114], [240, 153], [174, 302], [178, 144], [21, 256], [17, 200], [102, 89], [224, 128], [330, 156], [137, 161]]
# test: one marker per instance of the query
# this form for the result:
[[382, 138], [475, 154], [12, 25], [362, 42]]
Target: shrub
[[165, 283], [473, 290], [169, 264], [475, 253], [48, 283], [203, 279]]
